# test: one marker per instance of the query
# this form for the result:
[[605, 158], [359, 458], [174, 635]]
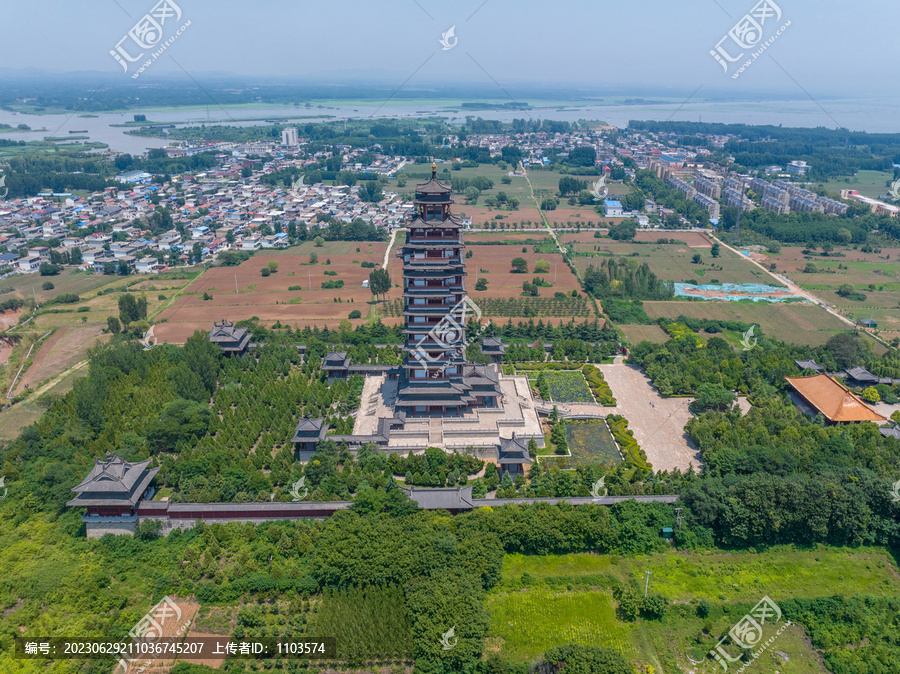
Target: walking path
[[390, 247]]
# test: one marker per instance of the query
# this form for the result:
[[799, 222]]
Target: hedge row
[[602, 392], [634, 455]]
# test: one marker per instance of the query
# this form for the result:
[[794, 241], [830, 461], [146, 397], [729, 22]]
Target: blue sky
[[830, 48]]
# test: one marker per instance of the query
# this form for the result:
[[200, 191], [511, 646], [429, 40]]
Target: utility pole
[[235, 285], [678, 516], [310, 278], [35, 297], [647, 585], [555, 265]]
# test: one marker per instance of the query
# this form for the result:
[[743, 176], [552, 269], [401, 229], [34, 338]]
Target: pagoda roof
[[310, 428], [225, 332], [514, 450], [433, 186], [113, 481], [835, 402], [809, 365]]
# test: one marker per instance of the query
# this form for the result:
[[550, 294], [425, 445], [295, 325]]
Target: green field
[[644, 333], [528, 623], [869, 183], [591, 443], [567, 597], [795, 323], [782, 571], [672, 262]]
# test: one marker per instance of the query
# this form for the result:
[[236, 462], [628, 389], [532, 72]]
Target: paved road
[[658, 427]]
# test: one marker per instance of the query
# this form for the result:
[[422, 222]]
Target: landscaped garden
[[590, 442], [564, 387]]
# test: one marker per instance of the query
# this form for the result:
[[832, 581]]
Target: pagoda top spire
[[434, 169]]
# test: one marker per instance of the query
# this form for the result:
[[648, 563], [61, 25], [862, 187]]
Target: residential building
[[798, 168], [613, 209]]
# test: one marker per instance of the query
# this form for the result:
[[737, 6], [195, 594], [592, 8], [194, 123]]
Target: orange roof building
[[834, 401]]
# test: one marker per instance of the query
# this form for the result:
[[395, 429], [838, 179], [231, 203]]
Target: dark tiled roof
[[809, 365], [459, 498], [309, 429], [514, 450], [113, 482], [892, 432]]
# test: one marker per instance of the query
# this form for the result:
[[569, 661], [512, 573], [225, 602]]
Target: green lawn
[[869, 183]]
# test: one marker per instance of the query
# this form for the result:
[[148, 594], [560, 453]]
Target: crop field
[[644, 333], [673, 262], [591, 443], [68, 281], [293, 295], [844, 265], [797, 323], [528, 623]]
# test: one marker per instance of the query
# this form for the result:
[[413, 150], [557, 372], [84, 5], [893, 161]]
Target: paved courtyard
[[657, 422]]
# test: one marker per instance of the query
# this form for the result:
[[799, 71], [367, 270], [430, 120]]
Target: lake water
[[872, 115]]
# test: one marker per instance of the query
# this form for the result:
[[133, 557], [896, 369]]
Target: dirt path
[[792, 287], [387, 253]]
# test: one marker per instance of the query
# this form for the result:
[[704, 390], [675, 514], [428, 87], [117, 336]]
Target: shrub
[[356, 313], [333, 285], [265, 271], [47, 285]]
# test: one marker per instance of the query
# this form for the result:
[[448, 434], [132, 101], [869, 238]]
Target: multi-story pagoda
[[436, 378]]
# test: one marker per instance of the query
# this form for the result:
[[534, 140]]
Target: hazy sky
[[830, 48]]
